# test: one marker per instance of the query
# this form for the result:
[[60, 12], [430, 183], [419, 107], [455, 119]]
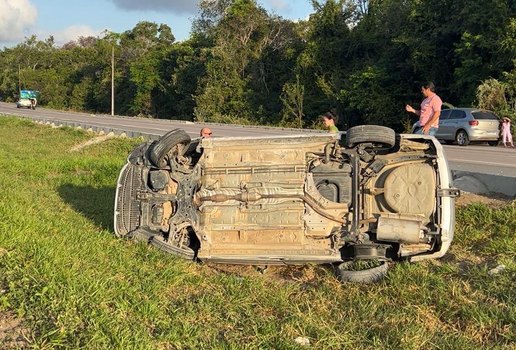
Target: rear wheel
[[462, 138], [353, 271], [493, 143], [375, 134]]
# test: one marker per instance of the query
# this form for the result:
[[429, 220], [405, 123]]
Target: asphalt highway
[[479, 158]]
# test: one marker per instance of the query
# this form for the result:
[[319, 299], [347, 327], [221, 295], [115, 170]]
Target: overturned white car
[[378, 197]]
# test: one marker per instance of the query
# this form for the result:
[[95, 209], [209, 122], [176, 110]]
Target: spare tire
[[372, 275], [376, 134], [158, 150]]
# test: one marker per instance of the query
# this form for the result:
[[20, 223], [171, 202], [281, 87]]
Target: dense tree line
[[362, 59]]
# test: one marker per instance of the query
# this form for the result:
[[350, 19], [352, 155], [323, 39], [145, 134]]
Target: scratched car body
[[375, 196]]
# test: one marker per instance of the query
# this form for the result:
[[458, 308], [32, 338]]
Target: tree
[[293, 99]]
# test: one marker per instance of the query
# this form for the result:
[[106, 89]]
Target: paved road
[[473, 158], [138, 125]]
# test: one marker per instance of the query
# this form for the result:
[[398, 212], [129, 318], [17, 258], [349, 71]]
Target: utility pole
[[19, 79], [113, 80]]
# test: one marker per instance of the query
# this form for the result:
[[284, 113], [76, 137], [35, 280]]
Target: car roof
[[468, 109]]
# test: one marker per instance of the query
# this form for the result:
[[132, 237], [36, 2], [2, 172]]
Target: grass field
[[73, 285]]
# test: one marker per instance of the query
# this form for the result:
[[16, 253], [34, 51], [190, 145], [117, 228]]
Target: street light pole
[[113, 80]]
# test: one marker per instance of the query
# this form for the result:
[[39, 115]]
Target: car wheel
[[375, 134], [176, 139], [346, 274], [493, 143], [461, 138]]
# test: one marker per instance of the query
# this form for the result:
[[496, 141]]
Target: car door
[[456, 121], [443, 132]]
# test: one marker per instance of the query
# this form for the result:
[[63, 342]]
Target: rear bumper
[[24, 103], [483, 135]]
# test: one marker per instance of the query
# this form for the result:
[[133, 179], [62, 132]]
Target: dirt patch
[[306, 274], [492, 200], [13, 335], [93, 141]]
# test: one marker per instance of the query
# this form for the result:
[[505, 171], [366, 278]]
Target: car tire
[[375, 134], [372, 275], [158, 150], [462, 138], [493, 143]]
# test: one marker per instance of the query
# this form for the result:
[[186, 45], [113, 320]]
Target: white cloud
[[278, 5], [73, 33], [16, 18], [173, 6]]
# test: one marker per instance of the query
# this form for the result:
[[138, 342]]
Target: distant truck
[[28, 98]]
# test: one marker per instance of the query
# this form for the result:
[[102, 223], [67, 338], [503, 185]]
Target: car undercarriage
[[376, 196]]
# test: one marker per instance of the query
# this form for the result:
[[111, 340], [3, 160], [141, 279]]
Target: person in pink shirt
[[429, 112]]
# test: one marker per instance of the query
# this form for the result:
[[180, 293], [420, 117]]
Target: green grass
[[75, 285]]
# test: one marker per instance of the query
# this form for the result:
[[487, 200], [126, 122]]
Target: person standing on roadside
[[506, 132], [329, 122], [429, 112]]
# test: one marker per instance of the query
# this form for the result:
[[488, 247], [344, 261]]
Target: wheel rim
[[461, 138]]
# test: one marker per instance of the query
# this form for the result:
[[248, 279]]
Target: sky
[[68, 20]]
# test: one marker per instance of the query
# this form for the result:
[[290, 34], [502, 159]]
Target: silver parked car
[[465, 125], [377, 197]]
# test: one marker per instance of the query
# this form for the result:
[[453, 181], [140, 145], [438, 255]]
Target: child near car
[[506, 132]]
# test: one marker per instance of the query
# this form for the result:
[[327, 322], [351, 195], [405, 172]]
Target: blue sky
[[67, 20]]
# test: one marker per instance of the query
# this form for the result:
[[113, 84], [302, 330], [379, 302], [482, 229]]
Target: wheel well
[[195, 243], [460, 131]]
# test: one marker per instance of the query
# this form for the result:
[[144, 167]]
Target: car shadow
[[97, 204]]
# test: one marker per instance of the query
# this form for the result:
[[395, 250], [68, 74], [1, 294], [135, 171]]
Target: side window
[[445, 114], [457, 114], [484, 115]]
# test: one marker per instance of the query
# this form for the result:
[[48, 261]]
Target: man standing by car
[[429, 112]]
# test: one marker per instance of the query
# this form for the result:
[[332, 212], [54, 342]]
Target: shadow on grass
[[97, 204]]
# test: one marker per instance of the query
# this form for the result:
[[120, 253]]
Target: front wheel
[[172, 144], [462, 138]]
